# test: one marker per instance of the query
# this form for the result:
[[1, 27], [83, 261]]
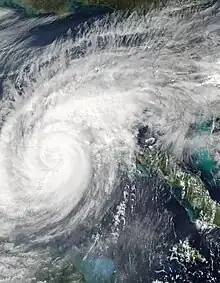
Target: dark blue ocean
[[75, 94]]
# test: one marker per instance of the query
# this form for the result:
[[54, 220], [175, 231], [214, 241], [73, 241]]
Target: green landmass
[[125, 4], [67, 6], [186, 187], [47, 6], [185, 253]]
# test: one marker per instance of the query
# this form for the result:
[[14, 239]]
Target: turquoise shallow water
[[19, 7], [141, 215]]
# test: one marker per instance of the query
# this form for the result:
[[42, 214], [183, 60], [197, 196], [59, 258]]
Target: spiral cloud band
[[64, 142], [70, 114]]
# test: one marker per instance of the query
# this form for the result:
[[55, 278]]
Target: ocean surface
[[75, 93]]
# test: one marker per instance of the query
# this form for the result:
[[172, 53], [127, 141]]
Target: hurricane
[[71, 114]]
